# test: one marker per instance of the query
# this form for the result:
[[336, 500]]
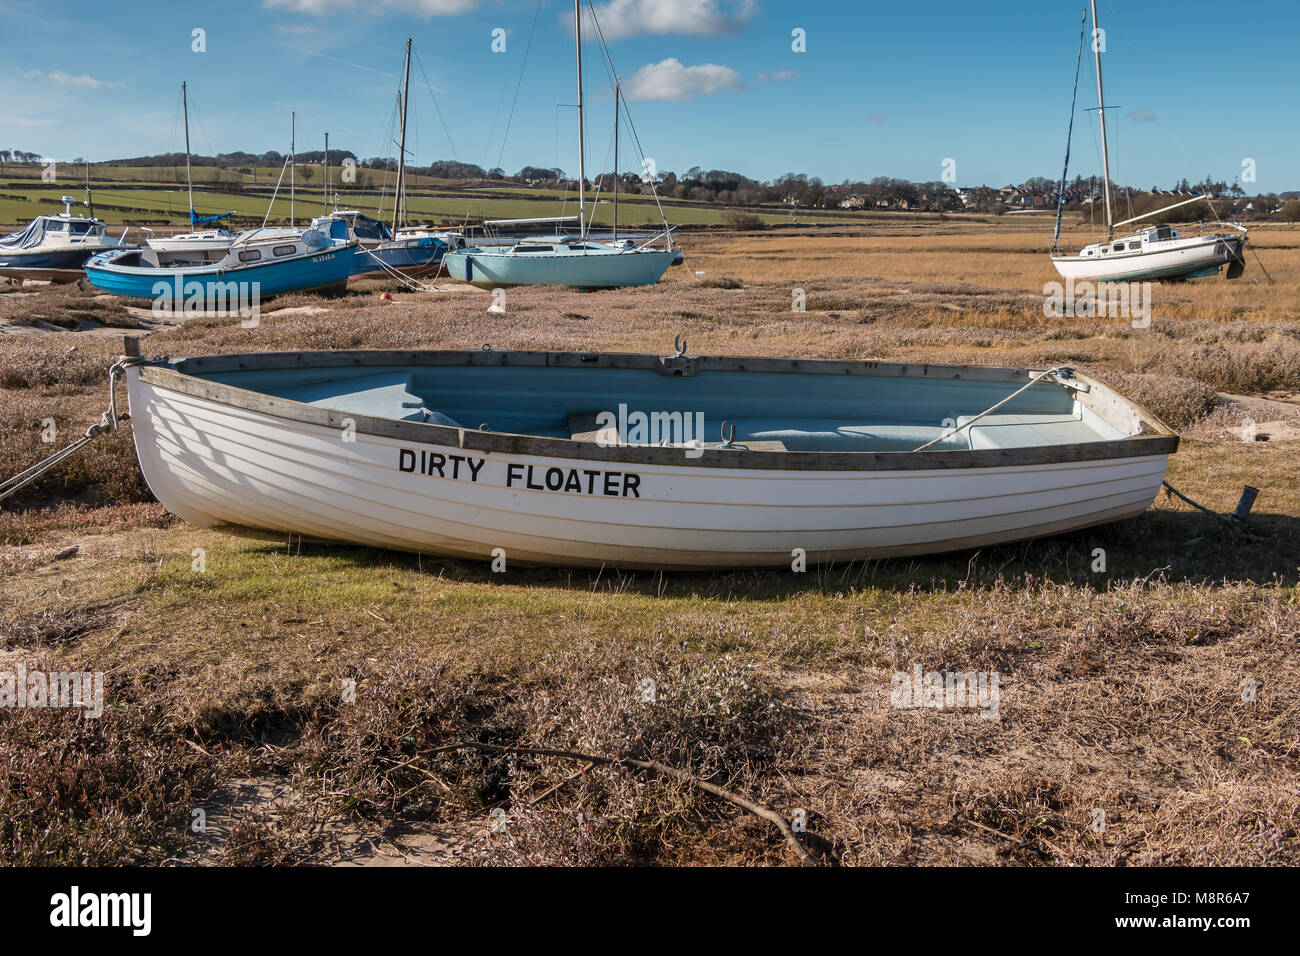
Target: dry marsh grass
[[302, 694]]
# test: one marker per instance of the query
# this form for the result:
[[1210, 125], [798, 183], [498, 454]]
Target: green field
[[153, 196]]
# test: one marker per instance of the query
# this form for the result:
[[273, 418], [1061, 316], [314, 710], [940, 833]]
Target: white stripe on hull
[[215, 465]]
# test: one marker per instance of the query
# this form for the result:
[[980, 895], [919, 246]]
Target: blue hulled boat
[[259, 264], [411, 253]]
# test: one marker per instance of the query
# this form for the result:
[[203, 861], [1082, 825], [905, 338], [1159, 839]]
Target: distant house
[[852, 202]]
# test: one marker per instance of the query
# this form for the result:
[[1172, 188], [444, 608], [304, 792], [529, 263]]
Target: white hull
[[217, 465], [1175, 259]]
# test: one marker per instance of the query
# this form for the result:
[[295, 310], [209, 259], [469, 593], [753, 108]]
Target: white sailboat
[[574, 261], [197, 246], [1156, 252]]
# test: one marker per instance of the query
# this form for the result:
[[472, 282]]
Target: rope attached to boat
[[1238, 519], [396, 274], [108, 422], [1064, 371]]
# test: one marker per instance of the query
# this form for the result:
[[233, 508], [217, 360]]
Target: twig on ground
[[758, 810]]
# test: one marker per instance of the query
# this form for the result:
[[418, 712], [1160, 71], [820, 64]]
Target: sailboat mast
[[1101, 111], [185, 105], [401, 150], [616, 95], [582, 159], [327, 174], [293, 128]]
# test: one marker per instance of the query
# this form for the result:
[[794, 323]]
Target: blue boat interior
[[789, 411]]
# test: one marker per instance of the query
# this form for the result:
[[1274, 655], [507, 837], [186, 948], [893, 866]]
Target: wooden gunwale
[[182, 376]]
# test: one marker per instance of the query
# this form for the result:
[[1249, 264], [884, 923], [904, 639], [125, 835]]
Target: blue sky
[[883, 89]]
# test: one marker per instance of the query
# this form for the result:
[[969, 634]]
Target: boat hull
[[57, 265], [1187, 260], [413, 260], [217, 460], [326, 271], [490, 270]]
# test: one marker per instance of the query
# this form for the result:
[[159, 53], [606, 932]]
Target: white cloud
[[624, 18], [780, 76], [670, 80], [419, 8], [1142, 116], [83, 80], [298, 29]]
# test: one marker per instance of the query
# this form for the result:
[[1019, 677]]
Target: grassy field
[[303, 697], [151, 195]]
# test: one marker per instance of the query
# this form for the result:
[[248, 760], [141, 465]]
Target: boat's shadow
[[1173, 547]]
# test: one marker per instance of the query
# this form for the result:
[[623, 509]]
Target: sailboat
[[397, 252], [199, 245], [1155, 252], [568, 260]]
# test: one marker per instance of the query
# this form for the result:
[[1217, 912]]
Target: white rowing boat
[[563, 458]]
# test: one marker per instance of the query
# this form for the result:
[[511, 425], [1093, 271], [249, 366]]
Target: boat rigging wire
[[1063, 371], [1065, 170]]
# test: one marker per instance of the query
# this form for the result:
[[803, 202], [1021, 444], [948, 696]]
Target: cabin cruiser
[[55, 247], [266, 261]]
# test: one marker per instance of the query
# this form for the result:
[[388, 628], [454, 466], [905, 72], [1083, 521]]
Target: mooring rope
[[108, 422]]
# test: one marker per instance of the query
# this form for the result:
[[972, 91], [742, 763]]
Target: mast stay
[[1101, 112], [1060, 193]]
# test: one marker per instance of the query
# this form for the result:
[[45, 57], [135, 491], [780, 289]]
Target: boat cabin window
[[250, 255], [79, 228], [1087, 252], [1135, 245], [56, 225], [367, 228], [285, 250], [1164, 232], [534, 249]]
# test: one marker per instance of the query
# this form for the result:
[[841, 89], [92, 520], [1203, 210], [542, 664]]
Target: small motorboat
[[54, 248], [259, 264], [638, 461]]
